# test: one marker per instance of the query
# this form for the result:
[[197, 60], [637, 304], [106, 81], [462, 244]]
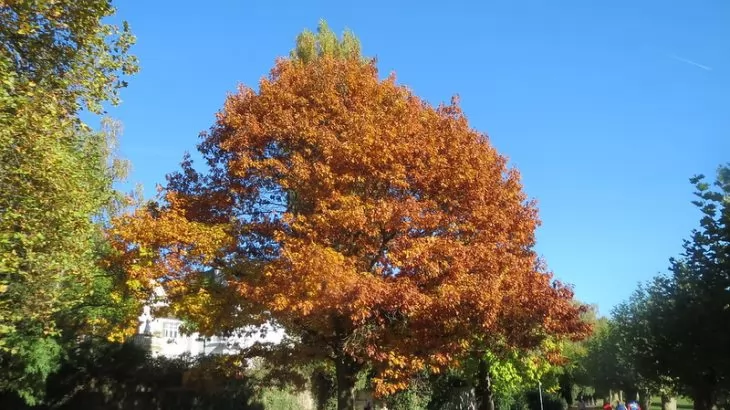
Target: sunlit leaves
[[63, 48], [372, 225], [324, 42], [56, 175]]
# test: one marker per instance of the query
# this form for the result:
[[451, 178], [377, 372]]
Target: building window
[[170, 330]]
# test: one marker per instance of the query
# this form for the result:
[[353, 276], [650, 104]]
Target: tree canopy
[[689, 310], [390, 240], [376, 228], [56, 174], [670, 337]]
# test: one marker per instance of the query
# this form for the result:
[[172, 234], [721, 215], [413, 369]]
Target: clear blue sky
[[606, 107]]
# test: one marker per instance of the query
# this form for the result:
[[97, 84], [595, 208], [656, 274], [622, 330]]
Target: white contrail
[[684, 60]]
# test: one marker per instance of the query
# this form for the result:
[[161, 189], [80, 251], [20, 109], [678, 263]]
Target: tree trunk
[[346, 370], [484, 386], [702, 401], [669, 403], [644, 398], [705, 393]]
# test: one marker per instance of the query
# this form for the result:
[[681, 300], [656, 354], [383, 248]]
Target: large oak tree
[[377, 229]]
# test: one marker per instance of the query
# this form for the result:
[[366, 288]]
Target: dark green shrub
[[105, 376], [323, 388], [416, 397], [445, 389], [549, 401]]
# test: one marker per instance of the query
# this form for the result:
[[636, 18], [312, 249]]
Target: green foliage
[[416, 397], [64, 48], [323, 386], [689, 311], [123, 376], [671, 335], [512, 373], [602, 362], [324, 42], [574, 379], [632, 324], [278, 399], [517, 372], [446, 388], [56, 176], [550, 401], [35, 360]]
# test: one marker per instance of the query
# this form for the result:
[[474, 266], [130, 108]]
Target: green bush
[[417, 397], [103, 376], [445, 389], [549, 401], [278, 399]]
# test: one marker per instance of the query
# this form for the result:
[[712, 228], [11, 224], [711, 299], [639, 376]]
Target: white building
[[162, 336]]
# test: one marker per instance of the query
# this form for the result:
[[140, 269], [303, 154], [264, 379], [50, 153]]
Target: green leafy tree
[[603, 362], [519, 372], [511, 374], [639, 347], [65, 50], [57, 58], [573, 378], [671, 336], [690, 309]]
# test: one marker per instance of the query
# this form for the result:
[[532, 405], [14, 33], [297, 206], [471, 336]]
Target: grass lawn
[[683, 403]]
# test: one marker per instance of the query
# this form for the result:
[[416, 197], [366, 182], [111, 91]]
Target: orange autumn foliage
[[370, 224]]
